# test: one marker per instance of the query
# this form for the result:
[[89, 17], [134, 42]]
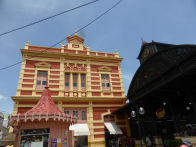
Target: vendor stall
[[44, 125]]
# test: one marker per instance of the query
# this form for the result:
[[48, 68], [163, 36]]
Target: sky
[[166, 21]]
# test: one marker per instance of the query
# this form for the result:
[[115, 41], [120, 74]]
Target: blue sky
[[167, 21]]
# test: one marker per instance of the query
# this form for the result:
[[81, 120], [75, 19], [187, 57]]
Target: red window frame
[[83, 82], [105, 82], [42, 79]]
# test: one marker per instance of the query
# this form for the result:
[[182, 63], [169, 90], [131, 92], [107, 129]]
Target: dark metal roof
[[164, 45], [163, 72], [157, 66]]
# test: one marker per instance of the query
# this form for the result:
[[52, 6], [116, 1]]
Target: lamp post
[[135, 114]]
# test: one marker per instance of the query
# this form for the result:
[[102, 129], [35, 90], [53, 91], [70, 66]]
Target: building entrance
[[81, 141]]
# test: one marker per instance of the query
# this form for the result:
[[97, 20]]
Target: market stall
[[44, 125]]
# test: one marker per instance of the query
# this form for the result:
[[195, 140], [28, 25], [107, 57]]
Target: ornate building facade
[[83, 83]]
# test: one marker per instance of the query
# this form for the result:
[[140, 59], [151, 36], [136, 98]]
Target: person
[[118, 141], [131, 142], [186, 144], [127, 142], [148, 142]]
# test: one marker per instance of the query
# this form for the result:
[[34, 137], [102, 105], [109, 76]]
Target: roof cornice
[[56, 54]]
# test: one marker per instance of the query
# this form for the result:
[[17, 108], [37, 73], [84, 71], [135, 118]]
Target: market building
[[163, 87], [83, 84]]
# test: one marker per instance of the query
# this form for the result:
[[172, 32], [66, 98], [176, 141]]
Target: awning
[[80, 129], [113, 128]]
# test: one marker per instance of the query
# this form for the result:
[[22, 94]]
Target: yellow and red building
[[83, 83]]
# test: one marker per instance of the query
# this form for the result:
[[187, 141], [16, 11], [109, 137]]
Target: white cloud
[[2, 97]]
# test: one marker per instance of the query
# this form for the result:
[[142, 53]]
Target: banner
[[53, 142], [58, 142], [64, 142]]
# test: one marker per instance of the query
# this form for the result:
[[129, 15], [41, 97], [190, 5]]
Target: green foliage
[[173, 142]]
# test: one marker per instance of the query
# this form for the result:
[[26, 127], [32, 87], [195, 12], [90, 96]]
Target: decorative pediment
[[43, 65], [75, 39], [104, 68]]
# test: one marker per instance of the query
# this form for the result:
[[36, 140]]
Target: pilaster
[[34, 83], [88, 80], [62, 48], [62, 79], [71, 85], [15, 108], [90, 123], [79, 85], [21, 77], [121, 81]]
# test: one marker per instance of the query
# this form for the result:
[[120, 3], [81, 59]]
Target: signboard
[[37, 144], [58, 142]]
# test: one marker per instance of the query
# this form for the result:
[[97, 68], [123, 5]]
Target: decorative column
[[90, 123], [62, 48], [15, 109], [79, 85], [121, 81], [62, 79], [35, 82], [71, 85], [21, 77], [88, 80]]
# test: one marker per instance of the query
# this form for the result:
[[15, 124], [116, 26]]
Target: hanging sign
[[64, 142], [58, 142], [53, 142]]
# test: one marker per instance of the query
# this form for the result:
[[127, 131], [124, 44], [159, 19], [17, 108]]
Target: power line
[[22, 27], [90, 22], [85, 26]]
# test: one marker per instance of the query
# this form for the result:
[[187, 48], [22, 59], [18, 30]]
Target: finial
[[143, 42], [26, 45], [116, 54], [75, 32]]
